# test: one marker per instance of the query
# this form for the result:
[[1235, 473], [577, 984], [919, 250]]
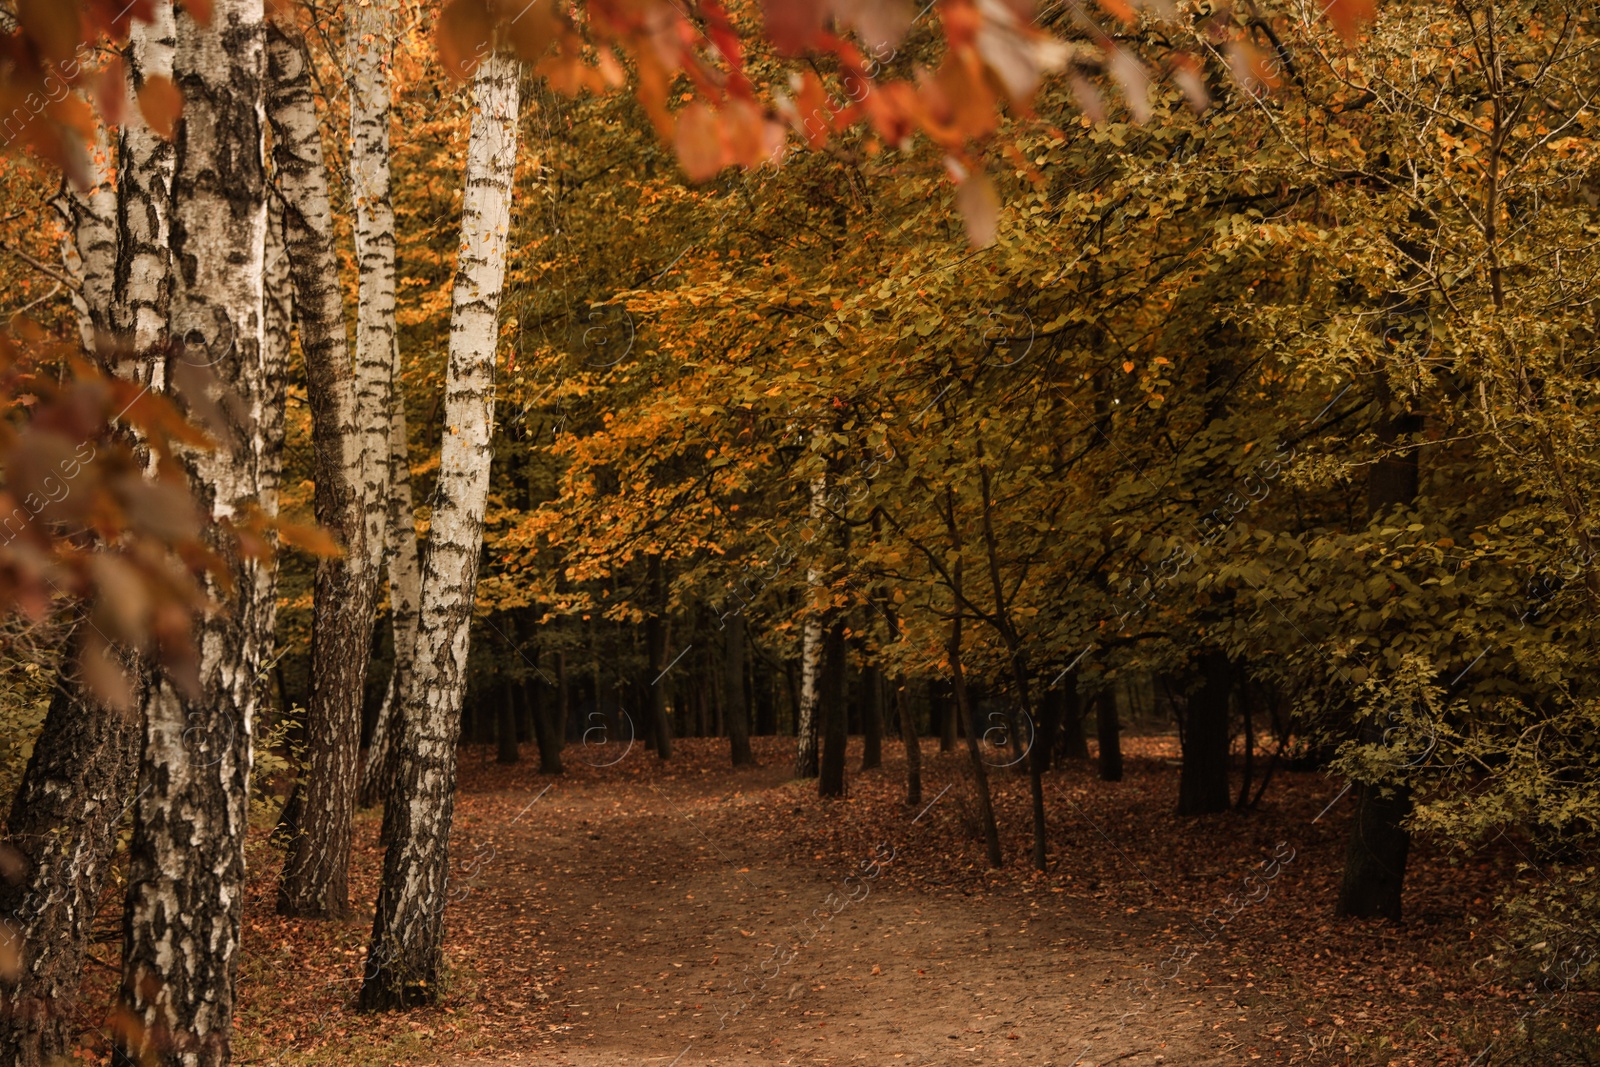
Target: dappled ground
[[655, 914]]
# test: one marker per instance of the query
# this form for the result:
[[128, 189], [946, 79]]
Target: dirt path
[[612, 922]]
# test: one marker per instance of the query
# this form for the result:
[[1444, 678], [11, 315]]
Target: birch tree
[[403, 962], [62, 824], [405, 593], [89, 250], [315, 879], [370, 31], [186, 857], [141, 285], [77, 785]]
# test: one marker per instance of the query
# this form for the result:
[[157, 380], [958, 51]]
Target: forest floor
[[639, 913]]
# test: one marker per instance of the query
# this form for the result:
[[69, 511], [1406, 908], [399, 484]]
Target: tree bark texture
[[980, 773], [141, 280], [405, 593], [315, 878], [1375, 858], [186, 858], [406, 953], [63, 825], [369, 33], [89, 250]]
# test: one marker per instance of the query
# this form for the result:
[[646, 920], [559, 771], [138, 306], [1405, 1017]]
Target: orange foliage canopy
[[996, 56]]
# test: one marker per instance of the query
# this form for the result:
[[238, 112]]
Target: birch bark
[[186, 858], [64, 817], [405, 593], [63, 823], [369, 31], [141, 281], [315, 879], [89, 251], [404, 959]]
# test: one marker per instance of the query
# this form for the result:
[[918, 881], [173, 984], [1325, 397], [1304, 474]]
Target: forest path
[[609, 921]]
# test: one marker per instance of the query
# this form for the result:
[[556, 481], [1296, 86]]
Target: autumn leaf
[[700, 147], [464, 36], [160, 102], [1130, 75], [979, 205], [312, 539], [1348, 15]]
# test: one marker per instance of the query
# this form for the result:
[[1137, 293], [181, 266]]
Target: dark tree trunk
[[835, 693], [656, 644], [563, 699], [526, 699], [791, 675], [1203, 783], [1038, 761], [871, 718], [733, 695], [766, 704], [545, 732], [946, 711], [288, 824], [980, 773], [1047, 736], [1246, 713], [1073, 744], [913, 744], [1375, 859], [63, 827], [506, 724], [1108, 731]]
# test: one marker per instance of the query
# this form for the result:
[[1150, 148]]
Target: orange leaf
[[160, 103], [533, 27], [699, 143], [312, 539], [980, 209], [111, 92], [794, 25], [1348, 15], [52, 26], [465, 33], [199, 10]]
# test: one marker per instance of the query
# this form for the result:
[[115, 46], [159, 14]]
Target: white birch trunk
[[64, 817], [404, 961], [369, 31], [142, 286], [89, 247], [405, 594], [315, 881], [186, 860], [276, 341]]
